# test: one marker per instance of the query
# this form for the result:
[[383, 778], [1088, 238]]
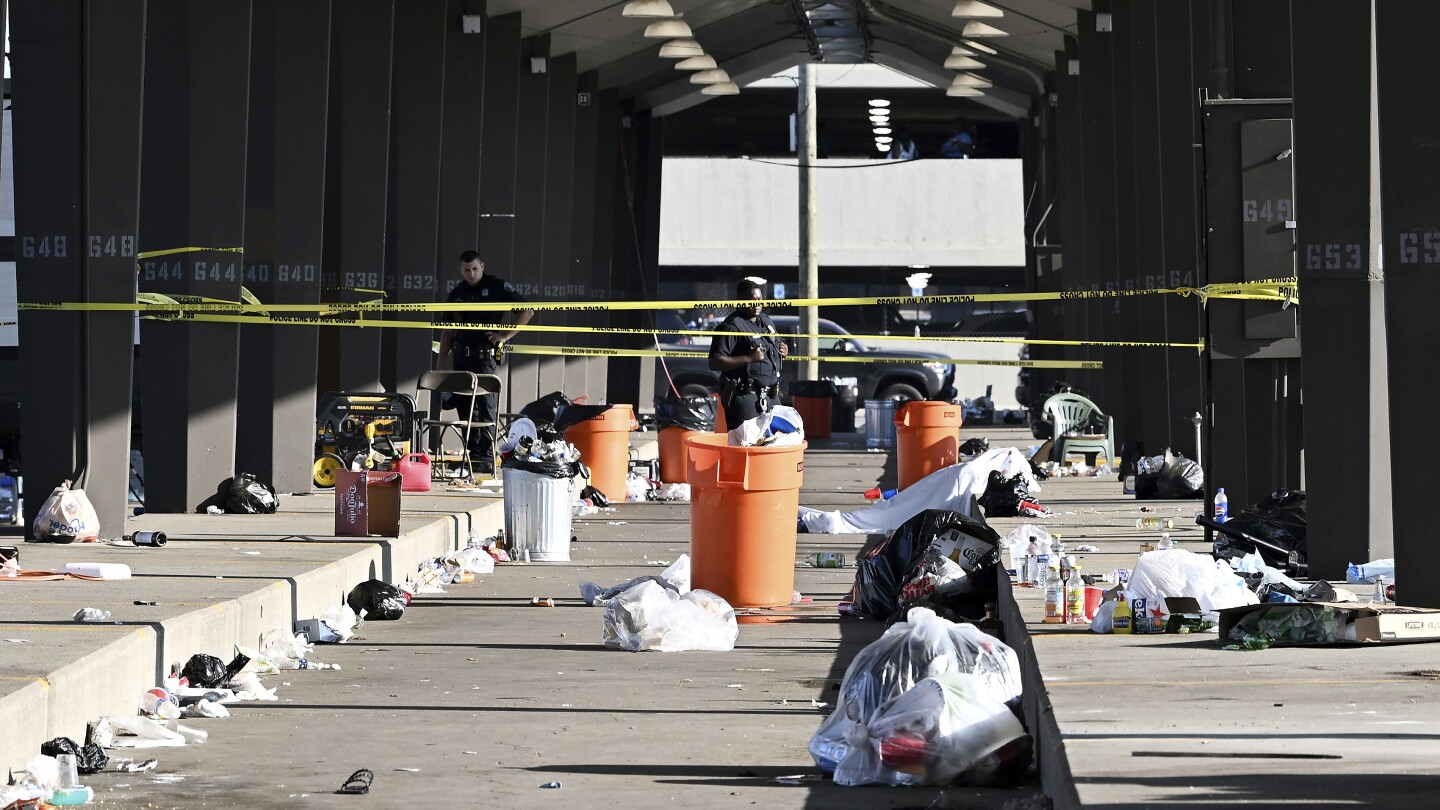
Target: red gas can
[[415, 473]]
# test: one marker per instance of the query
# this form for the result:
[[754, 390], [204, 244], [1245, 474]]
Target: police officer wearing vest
[[747, 352], [476, 350]]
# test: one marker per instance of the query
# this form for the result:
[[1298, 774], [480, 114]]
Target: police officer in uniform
[[475, 350], [747, 352]]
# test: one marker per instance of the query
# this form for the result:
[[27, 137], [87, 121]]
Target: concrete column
[[555, 267], [604, 247], [1067, 318], [421, 34], [357, 187], [584, 213], [526, 268], [197, 62], [115, 51], [1409, 165], [1096, 81], [809, 219], [498, 141], [47, 52], [1348, 481], [284, 226], [1179, 176]]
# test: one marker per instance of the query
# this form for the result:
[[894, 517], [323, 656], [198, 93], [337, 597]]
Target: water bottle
[[1027, 573], [1165, 543], [826, 559], [1222, 506], [1042, 569]]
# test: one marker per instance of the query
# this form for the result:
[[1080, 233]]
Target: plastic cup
[[69, 773], [1093, 598]]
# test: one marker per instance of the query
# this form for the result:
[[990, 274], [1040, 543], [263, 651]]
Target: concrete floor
[[490, 698]]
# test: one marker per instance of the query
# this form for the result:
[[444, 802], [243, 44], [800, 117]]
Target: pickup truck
[[898, 380]]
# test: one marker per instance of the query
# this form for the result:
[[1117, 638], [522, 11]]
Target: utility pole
[[809, 262]]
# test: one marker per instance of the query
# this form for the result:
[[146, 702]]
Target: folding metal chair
[[459, 384]]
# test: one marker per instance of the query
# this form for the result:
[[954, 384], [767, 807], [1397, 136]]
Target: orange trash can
[[743, 506], [927, 438], [604, 445], [673, 453]]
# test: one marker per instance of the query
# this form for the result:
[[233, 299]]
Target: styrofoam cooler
[[880, 423], [537, 514]]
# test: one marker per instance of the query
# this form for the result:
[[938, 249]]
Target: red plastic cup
[[1093, 597]]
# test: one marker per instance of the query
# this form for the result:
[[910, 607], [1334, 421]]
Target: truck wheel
[[900, 392]]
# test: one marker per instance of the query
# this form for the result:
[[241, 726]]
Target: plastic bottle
[[1124, 618], [1154, 523], [1165, 543], [1222, 506], [1042, 567], [1075, 597], [1378, 597], [826, 559], [1027, 572], [1054, 600]]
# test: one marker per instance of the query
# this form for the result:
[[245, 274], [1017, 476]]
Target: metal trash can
[[880, 423], [537, 514]]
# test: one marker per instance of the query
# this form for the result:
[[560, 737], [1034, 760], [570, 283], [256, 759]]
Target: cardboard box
[[367, 503], [1361, 623]]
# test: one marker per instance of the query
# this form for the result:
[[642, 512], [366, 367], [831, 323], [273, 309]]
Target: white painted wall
[[943, 213]]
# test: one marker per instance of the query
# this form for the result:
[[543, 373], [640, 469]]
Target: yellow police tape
[[357, 319], [1284, 291]]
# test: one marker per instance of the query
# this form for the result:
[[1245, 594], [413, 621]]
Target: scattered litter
[[168, 778], [615, 523], [819, 704], [734, 686], [552, 785], [796, 779], [1085, 547], [781, 702], [676, 577], [131, 766], [409, 770], [90, 614], [17, 641], [471, 753], [358, 783], [671, 492]]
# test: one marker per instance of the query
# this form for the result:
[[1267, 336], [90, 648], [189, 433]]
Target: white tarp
[[954, 488]]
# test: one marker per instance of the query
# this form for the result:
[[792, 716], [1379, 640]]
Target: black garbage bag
[[1180, 478], [209, 672], [937, 553], [575, 414], [814, 388], [686, 413], [243, 495], [89, 758], [975, 446], [1003, 495], [545, 410], [549, 469], [1274, 527], [594, 496], [381, 601]]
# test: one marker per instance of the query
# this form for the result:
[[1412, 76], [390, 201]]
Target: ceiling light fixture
[[712, 76], [668, 29], [963, 63], [882, 130], [964, 92], [982, 48], [974, 28], [701, 62], [879, 120], [881, 147], [970, 80], [724, 89], [656, 9], [681, 49], [879, 111], [879, 102], [883, 139], [975, 8]]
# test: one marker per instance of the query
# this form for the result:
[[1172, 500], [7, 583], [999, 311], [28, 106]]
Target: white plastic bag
[[1179, 572], [1019, 539], [932, 735], [1104, 621], [66, 516], [651, 617], [922, 646], [781, 427], [475, 560], [676, 577]]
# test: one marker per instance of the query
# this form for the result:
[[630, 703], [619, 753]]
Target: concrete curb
[[109, 680]]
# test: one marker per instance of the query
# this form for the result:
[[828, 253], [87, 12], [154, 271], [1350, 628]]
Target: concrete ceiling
[[752, 39]]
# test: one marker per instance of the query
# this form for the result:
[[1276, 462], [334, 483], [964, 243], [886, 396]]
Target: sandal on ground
[[358, 783]]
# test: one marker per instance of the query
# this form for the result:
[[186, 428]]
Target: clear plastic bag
[[935, 734], [651, 617], [921, 647], [675, 577], [1178, 572]]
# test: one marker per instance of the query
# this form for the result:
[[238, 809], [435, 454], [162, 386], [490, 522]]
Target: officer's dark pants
[[482, 440], [741, 408]]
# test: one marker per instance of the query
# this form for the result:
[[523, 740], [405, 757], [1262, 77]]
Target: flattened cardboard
[[367, 503], [1369, 624]]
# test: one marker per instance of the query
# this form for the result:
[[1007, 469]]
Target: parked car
[[899, 380]]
